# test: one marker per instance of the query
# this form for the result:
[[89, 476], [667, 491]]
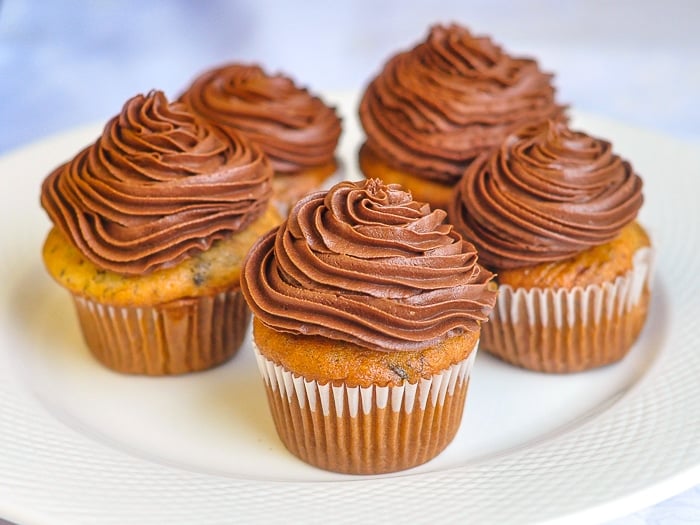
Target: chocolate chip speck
[[398, 371]]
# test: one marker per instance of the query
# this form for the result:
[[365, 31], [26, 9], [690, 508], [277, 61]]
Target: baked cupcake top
[[434, 108], [366, 264], [545, 195], [294, 128], [157, 186]]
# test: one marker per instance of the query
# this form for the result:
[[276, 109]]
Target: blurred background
[[71, 62], [68, 63]]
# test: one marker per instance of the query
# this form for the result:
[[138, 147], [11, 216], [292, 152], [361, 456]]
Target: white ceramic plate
[[80, 444]]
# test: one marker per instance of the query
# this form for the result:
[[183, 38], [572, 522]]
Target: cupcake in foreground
[[150, 226], [553, 213], [367, 310], [296, 130], [433, 109]]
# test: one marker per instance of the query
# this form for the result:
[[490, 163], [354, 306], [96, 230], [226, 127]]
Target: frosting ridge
[[435, 108], [156, 186], [295, 129], [545, 195], [364, 263]]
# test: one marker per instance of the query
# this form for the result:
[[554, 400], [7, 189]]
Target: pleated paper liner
[[366, 430], [176, 337], [561, 331]]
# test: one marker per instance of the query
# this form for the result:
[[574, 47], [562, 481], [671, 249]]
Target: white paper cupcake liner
[[561, 330], [176, 337], [366, 430]]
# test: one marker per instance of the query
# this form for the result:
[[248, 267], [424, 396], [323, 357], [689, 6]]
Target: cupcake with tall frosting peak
[[554, 213], [367, 312], [150, 225], [432, 110], [297, 130]]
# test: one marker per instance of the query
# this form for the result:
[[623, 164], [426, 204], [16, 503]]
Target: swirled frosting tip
[[547, 194], [158, 185], [434, 108], [365, 263], [294, 127]]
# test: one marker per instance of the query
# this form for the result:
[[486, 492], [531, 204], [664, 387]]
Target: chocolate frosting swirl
[[435, 108], [547, 194], [364, 263], [294, 128], [156, 186]]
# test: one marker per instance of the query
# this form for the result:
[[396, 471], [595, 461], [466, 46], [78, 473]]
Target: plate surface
[[80, 444]]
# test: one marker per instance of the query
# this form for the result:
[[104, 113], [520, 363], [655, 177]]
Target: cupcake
[[432, 110], [295, 129], [553, 213], [150, 227], [367, 310]]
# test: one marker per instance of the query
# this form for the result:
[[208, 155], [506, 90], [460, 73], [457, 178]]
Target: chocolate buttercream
[[157, 186], [294, 128], [435, 108], [547, 194], [364, 263]]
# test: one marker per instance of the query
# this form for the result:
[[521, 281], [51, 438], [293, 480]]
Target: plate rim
[[629, 502]]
